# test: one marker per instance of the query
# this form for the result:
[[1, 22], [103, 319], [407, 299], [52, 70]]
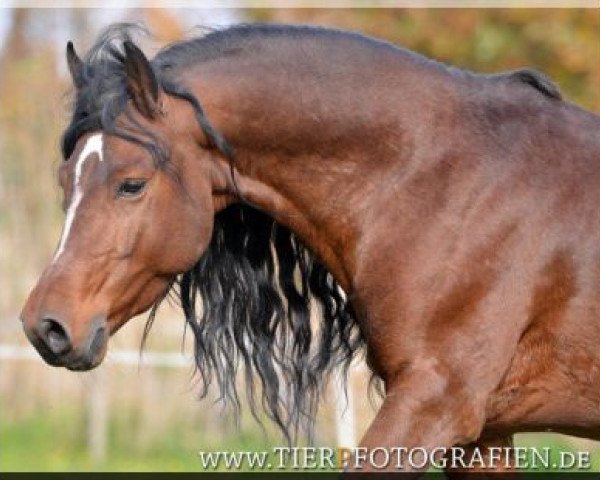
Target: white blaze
[[92, 145]]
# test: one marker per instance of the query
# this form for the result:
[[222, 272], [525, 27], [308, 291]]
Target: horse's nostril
[[55, 336]]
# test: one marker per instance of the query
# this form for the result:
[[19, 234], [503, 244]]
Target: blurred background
[[142, 413]]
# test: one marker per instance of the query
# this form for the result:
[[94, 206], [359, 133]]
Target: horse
[[310, 194]]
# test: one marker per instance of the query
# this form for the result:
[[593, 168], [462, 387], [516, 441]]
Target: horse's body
[[458, 211]]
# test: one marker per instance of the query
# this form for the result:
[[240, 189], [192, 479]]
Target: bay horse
[[445, 222]]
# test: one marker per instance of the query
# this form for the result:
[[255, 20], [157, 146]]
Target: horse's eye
[[131, 187]]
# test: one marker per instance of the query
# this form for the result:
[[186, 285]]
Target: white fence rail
[[98, 396]]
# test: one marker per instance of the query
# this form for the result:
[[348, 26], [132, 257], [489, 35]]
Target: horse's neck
[[312, 147], [305, 164]]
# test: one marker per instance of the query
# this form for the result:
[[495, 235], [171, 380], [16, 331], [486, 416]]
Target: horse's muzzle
[[52, 338]]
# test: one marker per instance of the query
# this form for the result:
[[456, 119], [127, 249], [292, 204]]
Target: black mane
[[258, 287]]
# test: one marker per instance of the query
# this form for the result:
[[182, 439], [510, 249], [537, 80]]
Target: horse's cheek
[[182, 240]]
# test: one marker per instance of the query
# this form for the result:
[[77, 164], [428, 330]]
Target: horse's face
[[130, 227]]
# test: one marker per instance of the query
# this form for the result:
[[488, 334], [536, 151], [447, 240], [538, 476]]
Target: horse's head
[[135, 218]]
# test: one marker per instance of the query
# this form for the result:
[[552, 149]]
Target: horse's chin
[[86, 362], [82, 366]]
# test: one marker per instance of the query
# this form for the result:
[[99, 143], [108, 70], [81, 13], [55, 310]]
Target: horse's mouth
[[77, 363], [74, 362]]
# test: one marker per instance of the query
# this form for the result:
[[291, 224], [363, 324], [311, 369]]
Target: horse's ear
[[75, 65], [141, 81]]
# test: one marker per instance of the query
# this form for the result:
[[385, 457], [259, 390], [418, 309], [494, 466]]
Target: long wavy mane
[[258, 287], [257, 300]]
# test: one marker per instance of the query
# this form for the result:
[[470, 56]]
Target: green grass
[[556, 444], [56, 441], [49, 444]]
